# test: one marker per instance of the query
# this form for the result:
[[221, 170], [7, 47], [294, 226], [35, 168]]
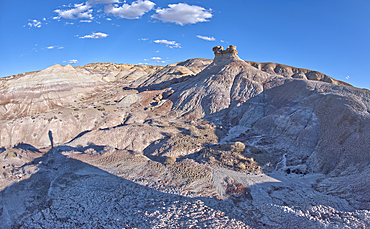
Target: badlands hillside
[[222, 143]]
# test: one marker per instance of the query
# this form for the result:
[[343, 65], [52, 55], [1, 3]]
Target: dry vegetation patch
[[109, 156], [187, 141], [188, 171], [237, 191], [223, 156], [156, 167]]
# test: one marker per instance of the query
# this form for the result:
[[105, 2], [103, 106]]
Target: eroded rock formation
[[222, 143]]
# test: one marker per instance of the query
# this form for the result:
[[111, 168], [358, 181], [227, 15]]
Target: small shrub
[[240, 157], [207, 127], [241, 166], [90, 151], [238, 147], [251, 160], [170, 160], [193, 131], [108, 149]]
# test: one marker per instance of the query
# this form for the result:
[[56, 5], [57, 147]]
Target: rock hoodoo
[[230, 53], [220, 50]]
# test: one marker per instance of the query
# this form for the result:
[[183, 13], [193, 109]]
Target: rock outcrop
[[53, 88], [298, 73], [222, 143], [225, 81]]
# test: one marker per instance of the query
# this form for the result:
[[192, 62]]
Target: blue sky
[[329, 36]]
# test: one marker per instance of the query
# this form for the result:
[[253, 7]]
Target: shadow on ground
[[68, 193]]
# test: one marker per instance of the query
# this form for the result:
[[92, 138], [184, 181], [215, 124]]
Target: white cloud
[[206, 38], [54, 46], [34, 23], [103, 1], [171, 44], [108, 19], [156, 58], [133, 11], [95, 35], [79, 11], [347, 77], [73, 61], [182, 14], [143, 39], [87, 21]]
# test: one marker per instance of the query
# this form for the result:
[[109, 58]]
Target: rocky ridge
[[220, 143]]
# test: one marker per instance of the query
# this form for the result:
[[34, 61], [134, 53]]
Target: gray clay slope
[[221, 143]]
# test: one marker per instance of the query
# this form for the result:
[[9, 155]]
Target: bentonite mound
[[221, 143]]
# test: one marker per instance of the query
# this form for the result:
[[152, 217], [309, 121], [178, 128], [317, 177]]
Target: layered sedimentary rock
[[226, 80], [222, 143], [299, 73], [52, 88]]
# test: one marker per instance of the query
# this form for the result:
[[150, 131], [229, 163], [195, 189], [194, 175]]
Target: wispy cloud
[[103, 1], [206, 38], [347, 77], [143, 39], [55, 47], [171, 44], [158, 60], [72, 61], [182, 14], [116, 8], [95, 35], [34, 23], [133, 11]]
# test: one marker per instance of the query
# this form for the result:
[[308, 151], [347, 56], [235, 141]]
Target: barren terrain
[[222, 143]]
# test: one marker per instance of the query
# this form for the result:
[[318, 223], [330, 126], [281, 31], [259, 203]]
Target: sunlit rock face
[[52, 88], [228, 142]]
